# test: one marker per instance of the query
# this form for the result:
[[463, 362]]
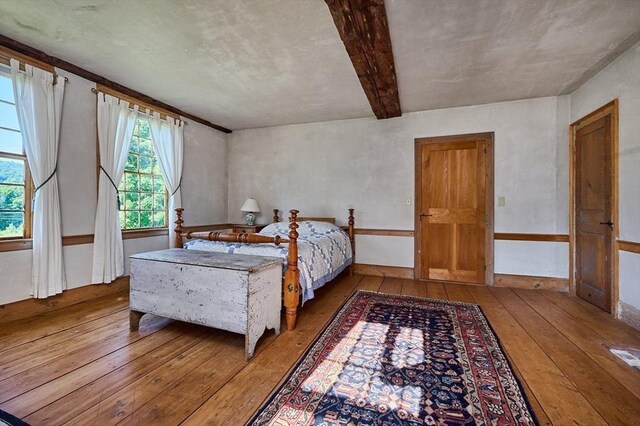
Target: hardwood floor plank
[[588, 340], [391, 286], [57, 388], [18, 332], [67, 336], [123, 403], [370, 283], [459, 293], [47, 349], [41, 374], [612, 400], [436, 291], [548, 383], [234, 403], [90, 395], [612, 329], [414, 288]]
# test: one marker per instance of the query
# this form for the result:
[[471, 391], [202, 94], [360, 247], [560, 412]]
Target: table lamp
[[251, 206]]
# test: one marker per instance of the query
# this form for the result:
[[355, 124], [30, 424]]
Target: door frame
[[610, 109], [488, 138]]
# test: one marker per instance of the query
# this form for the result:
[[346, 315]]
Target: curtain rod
[[96, 91]]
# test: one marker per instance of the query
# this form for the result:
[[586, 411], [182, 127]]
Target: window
[[142, 191], [16, 187]]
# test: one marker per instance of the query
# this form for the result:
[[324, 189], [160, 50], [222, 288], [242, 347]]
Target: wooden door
[[454, 208], [593, 212]]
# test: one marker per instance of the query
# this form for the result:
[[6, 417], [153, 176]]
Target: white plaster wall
[[621, 80], [324, 168], [204, 175], [204, 190]]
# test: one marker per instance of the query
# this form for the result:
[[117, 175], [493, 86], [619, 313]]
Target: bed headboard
[[276, 218]]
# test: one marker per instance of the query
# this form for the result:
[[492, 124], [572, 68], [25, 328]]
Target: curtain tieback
[[55, 169], [179, 185], [114, 185]]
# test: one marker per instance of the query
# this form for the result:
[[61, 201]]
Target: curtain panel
[[38, 100], [168, 145], [116, 122]]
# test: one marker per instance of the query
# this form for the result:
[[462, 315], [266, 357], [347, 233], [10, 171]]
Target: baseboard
[[629, 314], [31, 307], [383, 271], [531, 282]]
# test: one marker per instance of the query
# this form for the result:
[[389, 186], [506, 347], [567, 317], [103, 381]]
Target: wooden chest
[[233, 292]]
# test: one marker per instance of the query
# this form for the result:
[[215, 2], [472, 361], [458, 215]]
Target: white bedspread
[[324, 250]]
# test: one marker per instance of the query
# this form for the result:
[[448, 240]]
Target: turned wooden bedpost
[[178, 229], [292, 275], [352, 239], [276, 217]]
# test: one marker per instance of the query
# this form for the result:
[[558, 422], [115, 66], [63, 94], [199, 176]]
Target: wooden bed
[[291, 281]]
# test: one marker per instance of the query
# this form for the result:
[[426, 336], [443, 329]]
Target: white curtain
[[116, 122], [39, 107], [167, 137]]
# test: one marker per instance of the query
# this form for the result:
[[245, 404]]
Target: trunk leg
[[134, 320]]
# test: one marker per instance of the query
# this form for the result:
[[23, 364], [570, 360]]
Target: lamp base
[[251, 219]]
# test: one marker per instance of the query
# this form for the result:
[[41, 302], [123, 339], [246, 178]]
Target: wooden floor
[[81, 365]]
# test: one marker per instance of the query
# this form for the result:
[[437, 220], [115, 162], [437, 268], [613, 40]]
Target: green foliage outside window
[[142, 192]]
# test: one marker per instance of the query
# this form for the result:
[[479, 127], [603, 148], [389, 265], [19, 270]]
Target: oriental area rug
[[400, 360]]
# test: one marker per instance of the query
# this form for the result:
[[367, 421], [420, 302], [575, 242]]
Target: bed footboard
[[291, 282]]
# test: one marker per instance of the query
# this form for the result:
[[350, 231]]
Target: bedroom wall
[[621, 80], [205, 160], [324, 168]]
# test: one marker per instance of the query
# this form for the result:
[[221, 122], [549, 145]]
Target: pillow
[[305, 228]]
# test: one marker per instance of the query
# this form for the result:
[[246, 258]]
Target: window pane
[[158, 184], [10, 141], [11, 171], [11, 197], [158, 220], [132, 163], [145, 220], [145, 183], [131, 201], [6, 89], [131, 181], [122, 222], [158, 203], [145, 164], [11, 224], [143, 129], [156, 167], [133, 220], [145, 147], [8, 116], [146, 201], [133, 148]]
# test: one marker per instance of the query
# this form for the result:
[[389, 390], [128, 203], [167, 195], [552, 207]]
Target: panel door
[[453, 211], [593, 220]]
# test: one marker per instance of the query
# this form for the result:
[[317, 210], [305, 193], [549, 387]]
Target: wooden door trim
[[487, 138], [611, 109]]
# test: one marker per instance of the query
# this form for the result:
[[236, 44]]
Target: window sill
[[71, 240], [16, 244], [144, 233]]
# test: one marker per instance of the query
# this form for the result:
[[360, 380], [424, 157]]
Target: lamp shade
[[250, 205]]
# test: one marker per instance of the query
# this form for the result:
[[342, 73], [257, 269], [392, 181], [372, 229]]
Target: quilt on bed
[[324, 250]]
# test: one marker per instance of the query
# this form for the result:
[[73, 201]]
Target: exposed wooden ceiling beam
[[74, 69], [363, 28]]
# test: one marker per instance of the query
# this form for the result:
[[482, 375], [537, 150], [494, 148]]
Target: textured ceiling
[[255, 63], [457, 52]]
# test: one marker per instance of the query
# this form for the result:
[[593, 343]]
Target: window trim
[[27, 226]]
